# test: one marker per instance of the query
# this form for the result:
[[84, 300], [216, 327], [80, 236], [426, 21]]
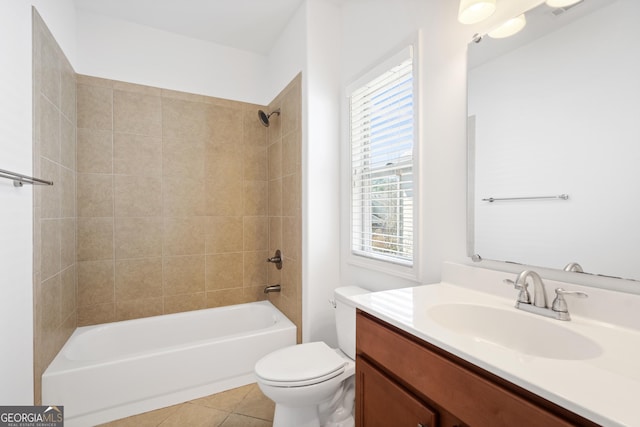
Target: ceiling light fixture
[[561, 3], [509, 28], [473, 11]]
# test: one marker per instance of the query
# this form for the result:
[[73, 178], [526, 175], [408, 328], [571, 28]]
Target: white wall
[[16, 245], [60, 17], [311, 44], [371, 30], [331, 46], [16, 204], [321, 171], [120, 50], [288, 56]]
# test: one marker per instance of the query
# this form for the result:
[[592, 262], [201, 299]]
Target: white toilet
[[313, 384]]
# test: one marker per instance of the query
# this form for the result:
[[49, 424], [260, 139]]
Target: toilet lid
[[301, 364]]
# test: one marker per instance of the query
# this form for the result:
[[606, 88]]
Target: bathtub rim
[[62, 364], [280, 318]]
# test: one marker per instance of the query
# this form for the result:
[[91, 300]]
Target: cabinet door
[[383, 403]]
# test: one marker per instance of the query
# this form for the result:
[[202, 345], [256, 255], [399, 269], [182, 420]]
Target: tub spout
[[272, 288]]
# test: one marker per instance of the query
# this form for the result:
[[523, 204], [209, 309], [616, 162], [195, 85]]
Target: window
[[382, 134]]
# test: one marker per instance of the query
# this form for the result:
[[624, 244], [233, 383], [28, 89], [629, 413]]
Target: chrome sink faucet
[[539, 293], [558, 309]]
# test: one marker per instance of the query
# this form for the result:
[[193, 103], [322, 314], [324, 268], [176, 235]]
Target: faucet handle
[[559, 303], [523, 296], [276, 259], [512, 283]]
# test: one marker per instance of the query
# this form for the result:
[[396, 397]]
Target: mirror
[[554, 140]]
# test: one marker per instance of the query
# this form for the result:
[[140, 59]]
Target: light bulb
[[472, 11], [509, 28]]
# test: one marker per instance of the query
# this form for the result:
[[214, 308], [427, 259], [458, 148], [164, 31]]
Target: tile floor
[[240, 407]]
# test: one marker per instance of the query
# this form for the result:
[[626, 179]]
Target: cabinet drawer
[[475, 400]]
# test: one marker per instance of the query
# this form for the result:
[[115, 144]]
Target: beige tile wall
[[285, 201], [172, 201], [54, 208]]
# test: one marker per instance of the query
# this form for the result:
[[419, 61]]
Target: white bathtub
[[110, 371]]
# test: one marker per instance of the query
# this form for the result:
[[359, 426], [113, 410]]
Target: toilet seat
[[300, 365]]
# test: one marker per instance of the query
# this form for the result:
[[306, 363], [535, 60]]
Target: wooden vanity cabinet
[[403, 381]]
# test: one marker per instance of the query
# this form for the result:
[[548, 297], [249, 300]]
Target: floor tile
[[195, 416], [225, 401], [239, 407], [256, 405], [236, 420]]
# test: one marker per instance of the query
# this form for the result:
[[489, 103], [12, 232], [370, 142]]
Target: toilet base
[[286, 416], [301, 416], [330, 412]]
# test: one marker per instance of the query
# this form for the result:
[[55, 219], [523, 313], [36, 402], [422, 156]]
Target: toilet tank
[[345, 313]]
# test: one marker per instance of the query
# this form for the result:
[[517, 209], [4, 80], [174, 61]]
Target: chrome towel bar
[[19, 180], [497, 199]]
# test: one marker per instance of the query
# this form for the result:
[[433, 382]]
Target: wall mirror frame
[[554, 144]]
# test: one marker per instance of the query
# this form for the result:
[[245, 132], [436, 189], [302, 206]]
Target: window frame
[[376, 261]]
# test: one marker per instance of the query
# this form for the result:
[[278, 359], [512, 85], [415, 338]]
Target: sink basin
[[515, 330]]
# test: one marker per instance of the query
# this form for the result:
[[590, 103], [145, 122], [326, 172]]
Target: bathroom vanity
[[459, 353], [405, 381]]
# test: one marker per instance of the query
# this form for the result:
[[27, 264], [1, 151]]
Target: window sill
[[409, 272]]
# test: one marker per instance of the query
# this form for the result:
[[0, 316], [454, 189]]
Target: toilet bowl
[[312, 384]]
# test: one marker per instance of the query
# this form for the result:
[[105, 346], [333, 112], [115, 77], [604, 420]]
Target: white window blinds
[[382, 163]]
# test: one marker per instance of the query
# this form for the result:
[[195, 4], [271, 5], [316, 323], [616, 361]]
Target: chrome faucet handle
[[523, 296], [573, 267], [559, 303], [276, 259]]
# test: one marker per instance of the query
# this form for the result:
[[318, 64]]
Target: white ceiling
[[251, 25]]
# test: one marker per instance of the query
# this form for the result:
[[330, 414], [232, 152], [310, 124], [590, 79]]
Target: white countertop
[[604, 388]]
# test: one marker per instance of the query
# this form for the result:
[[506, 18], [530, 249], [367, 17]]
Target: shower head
[[264, 117]]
